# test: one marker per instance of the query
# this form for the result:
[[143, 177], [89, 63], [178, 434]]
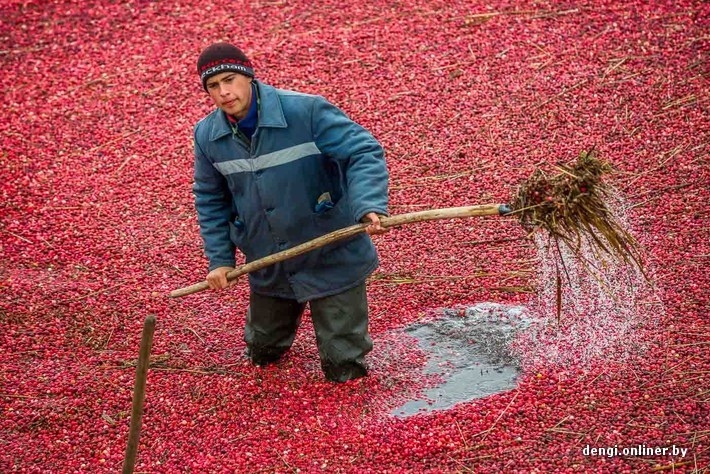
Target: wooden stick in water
[[139, 395]]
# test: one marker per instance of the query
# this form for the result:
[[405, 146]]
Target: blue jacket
[[262, 197]]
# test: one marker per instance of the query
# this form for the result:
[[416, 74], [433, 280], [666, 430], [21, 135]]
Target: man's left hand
[[375, 226]]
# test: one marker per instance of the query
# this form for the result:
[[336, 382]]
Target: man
[[274, 169]]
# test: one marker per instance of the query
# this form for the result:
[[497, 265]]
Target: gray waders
[[340, 323]]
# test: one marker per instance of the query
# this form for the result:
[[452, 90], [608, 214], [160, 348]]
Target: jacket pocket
[[334, 218], [237, 233], [324, 204]]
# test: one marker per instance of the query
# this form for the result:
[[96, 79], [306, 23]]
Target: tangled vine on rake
[[572, 207]]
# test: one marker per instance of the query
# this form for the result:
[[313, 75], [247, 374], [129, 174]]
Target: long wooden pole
[[392, 221], [134, 432]]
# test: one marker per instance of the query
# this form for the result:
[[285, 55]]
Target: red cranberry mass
[[97, 225]]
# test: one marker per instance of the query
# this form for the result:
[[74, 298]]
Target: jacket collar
[[271, 113]]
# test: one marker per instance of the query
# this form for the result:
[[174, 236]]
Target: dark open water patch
[[469, 351]]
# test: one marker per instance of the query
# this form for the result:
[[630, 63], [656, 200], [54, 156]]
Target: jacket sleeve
[[359, 154], [213, 203]]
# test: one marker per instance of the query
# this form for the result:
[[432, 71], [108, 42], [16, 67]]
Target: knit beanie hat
[[222, 57]]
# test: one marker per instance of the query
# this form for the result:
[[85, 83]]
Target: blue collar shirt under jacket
[[267, 196]]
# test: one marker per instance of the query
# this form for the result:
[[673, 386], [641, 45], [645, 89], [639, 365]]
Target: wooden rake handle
[[392, 221]]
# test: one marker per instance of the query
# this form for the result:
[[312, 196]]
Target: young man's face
[[231, 92]]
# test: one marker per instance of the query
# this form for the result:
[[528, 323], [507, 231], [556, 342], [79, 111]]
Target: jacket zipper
[[239, 136]]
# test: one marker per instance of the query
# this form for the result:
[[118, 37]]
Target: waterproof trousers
[[341, 327]]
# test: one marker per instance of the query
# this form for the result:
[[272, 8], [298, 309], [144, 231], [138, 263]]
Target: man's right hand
[[217, 278]]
